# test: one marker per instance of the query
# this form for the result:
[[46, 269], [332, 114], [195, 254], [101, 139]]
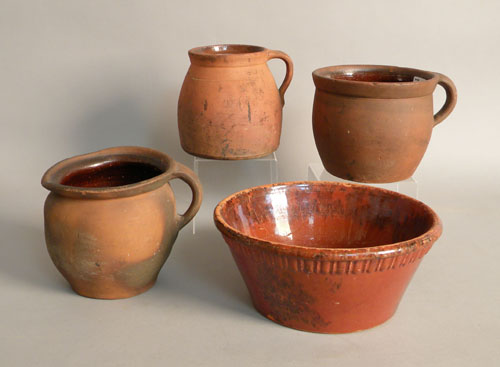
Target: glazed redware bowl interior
[[326, 257]]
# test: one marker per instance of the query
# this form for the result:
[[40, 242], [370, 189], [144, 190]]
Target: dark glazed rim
[[212, 55], [321, 253], [324, 80], [51, 180]]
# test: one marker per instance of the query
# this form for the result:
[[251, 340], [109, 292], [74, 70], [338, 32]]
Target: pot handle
[[185, 174], [274, 54], [451, 98]]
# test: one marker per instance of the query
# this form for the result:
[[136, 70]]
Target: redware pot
[[326, 257], [111, 220], [229, 106], [373, 123]]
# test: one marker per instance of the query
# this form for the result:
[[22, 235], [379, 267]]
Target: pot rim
[[333, 254], [52, 178], [218, 56], [324, 80]]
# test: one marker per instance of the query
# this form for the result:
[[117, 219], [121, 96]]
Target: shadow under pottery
[[204, 269], [24, 258]]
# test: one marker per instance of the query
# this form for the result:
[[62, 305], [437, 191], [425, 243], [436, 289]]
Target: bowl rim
[[202, 50], [321, 253], [51, 179], [247, 55], [325, 81]]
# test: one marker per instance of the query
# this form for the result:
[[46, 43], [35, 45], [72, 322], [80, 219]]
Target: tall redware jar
[[373, 123], [229, 106], [111, 218]]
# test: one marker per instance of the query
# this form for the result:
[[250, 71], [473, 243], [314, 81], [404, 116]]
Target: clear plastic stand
[[316, 172], [222, 178]]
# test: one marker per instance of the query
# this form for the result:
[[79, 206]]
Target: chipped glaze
[[229, 106], [326, 257], [111, 220], [373, 123]]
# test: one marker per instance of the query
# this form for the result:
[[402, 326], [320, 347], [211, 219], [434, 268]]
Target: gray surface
[[199, 312], [79, 76]]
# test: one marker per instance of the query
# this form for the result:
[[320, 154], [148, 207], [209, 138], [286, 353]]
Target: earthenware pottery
[[111, 220], [323, 256], [372, 123], [229, 105]]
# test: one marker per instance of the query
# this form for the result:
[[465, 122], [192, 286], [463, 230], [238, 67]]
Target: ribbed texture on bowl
[[319, 266], [324, 289]]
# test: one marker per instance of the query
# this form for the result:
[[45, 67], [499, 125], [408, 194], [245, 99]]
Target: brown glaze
[[326, 257], [229, 106], [377, 77], [111, 220], [373, 123], [111, 174]]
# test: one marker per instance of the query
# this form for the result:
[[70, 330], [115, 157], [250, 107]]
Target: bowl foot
[[111, 293]]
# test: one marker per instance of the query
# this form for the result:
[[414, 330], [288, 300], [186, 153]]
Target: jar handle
[[274, 54], [185, 174], [451, 98]]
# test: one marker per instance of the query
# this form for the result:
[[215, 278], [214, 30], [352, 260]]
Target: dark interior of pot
[[111, 174], [377, 76], [231, 49], [326, 216]]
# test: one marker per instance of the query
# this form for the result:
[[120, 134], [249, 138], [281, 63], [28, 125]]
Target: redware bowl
[[326, 257]]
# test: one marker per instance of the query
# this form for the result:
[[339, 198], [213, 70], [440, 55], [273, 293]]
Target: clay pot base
[[111, 294], [228, 158], [366, 179], [270, 317]]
